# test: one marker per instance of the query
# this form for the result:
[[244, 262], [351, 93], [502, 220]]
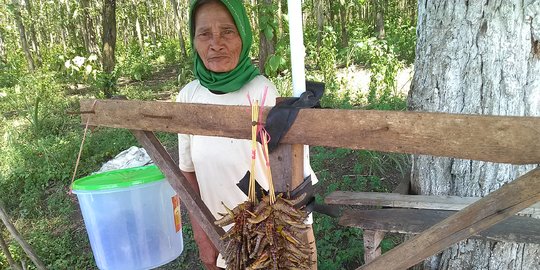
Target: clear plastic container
[[132, 217]]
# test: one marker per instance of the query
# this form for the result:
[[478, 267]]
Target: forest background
[[53, 53]]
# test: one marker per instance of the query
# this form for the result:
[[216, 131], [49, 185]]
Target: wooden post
[[179, 183], [15, 234], [5, 249], [495, 207], [372, 239]]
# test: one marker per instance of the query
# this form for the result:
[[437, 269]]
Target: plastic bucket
[[132, 217]]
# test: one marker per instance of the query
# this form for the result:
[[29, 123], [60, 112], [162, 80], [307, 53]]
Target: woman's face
[[217, 40]]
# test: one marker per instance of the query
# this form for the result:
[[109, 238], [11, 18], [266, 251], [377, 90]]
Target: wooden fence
[[501, 139]]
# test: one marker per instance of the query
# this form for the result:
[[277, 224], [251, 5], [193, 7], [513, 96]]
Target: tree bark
[[178, 27], [266, 46], [109, 43], [22, 35], [476, 57]]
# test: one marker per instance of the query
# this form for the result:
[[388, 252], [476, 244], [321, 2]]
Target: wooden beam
[[15, 234], [486, 212], [179, 183], [414, 221], [504, 139], [409, 201], [7, 254]]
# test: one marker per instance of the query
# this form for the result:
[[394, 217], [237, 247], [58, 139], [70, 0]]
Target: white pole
[[298, 53]]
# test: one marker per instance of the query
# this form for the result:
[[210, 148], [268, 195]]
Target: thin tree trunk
[[266, 46], [178, 27], [7, 254], [70, 26], [151, 23], [138, 29], [15, 234], [22, 35], [3, 57], [379, 18], [109, 43], [280, 21], [319, 10], [31, 29], [343, 20], [476, 57], [88, 27]]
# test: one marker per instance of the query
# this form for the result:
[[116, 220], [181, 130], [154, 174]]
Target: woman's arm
[[207, 251]]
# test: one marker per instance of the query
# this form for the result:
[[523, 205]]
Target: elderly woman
[[221, 38]]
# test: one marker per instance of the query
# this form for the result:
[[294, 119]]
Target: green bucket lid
[[122, 178]]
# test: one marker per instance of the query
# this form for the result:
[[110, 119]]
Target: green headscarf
[[245, 71]]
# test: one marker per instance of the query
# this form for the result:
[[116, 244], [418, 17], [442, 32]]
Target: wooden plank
[[504, 139], [414, 221], [409, 201], [486, 212], [179, 183], [297, 152], [281, 160]]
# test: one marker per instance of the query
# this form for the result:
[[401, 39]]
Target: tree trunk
[[70, 29], [379, 18], [343, 25], [3, 57], [320, 21], [88, 27], [476, 57], [178, 27], [22, 35], [32, 30], [266, 46], [151, 23], [109, 44], [138, 29]]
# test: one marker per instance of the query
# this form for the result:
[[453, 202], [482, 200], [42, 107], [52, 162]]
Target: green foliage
[[136, 66], [9, 73], [37, 98]]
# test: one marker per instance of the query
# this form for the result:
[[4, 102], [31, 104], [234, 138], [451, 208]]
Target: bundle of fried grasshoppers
[[266, 234]]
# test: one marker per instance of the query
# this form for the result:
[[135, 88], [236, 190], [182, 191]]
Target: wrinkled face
[[217, 40]]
